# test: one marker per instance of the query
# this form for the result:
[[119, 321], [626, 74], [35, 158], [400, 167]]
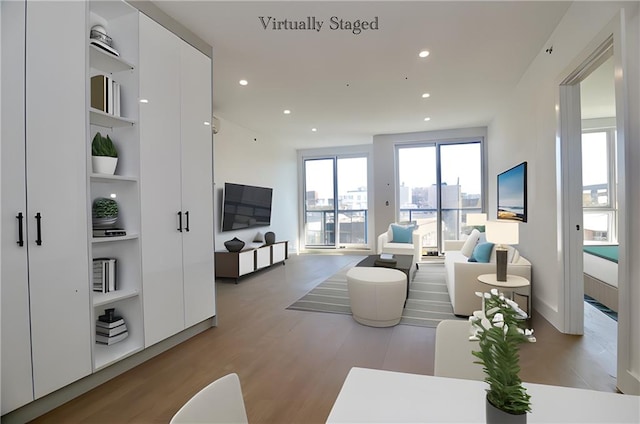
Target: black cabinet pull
[[20, 234], [187, 215], [39, 229], [180, 221]]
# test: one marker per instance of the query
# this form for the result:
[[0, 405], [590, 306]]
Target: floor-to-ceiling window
[[439, 183], [336, 201]]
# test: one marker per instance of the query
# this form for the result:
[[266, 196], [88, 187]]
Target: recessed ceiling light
[[314, 129], [144, 101], [207, 123], [423, 53], [243, 82], [287, 112], [425, 95], [427, 119]]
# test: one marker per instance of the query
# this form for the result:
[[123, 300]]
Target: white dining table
[[376, 396]]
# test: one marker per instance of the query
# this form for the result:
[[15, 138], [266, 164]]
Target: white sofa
[[462, 276], [386, 245]]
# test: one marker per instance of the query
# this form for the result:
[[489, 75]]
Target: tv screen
[[245, 206], [512, 193]]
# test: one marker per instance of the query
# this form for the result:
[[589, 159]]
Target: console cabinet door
[[246, 262], [197, 185], [160, 183]]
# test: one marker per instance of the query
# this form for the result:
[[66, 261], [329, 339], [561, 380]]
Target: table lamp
[[476, 219], [502, 233]]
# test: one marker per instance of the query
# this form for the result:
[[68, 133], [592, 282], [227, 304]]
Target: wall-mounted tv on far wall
[[512, 193], [245, 206]]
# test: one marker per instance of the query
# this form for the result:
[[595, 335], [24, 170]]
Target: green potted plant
[[104, 156], [497, 329], [104, 212]]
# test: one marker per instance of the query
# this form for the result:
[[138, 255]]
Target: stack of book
[[104, 275], [110, 328], [105, 94], [386, 259]]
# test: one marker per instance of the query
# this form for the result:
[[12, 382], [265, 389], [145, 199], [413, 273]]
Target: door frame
[[569, 203]]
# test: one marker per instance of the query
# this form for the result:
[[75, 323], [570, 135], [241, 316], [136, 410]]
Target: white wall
[[263, 162], [526, 130]]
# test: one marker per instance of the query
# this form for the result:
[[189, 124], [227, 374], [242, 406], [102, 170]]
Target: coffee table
[[403, 263]]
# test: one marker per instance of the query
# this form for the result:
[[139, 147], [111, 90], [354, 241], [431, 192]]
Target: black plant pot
[[498, 416], [234, 245], [270, 237]]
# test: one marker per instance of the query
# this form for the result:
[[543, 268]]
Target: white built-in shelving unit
[[121, 23]]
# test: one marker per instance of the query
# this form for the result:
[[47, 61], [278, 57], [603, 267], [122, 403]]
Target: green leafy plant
[[105, 208], [103, 146], [497, 328]]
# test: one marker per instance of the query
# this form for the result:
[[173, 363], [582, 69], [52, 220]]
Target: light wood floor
[[292, 363]]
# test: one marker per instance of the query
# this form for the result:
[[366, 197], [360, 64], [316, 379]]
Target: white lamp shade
[[502, 232], [476, 218]]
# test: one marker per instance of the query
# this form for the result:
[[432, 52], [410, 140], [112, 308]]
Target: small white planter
[[104, 164]]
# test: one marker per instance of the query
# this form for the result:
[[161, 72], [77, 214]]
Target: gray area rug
[[427, 305]]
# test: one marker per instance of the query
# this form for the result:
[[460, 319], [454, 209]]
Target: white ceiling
[[351, 87]]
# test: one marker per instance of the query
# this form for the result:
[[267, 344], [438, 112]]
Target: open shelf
[[109, 178], [107, 120], [100, 299], [112, 239], [107, 62], [107, 355]]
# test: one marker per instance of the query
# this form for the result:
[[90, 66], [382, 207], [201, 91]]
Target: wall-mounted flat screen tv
[[512, 193], [245, 206]]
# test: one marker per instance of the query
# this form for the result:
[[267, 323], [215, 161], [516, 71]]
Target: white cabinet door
[[278, 252], [56, 163], [263, 257], [160, 184], [55, 288], [197, 186], [246, 262], [17, 386]]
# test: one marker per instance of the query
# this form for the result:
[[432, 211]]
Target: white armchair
[[386, 244]]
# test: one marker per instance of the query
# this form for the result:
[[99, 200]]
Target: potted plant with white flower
[[498, 330]]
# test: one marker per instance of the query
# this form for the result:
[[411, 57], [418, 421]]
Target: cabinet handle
[[39, 229], [20, 229], [187, 215], [180, 221]]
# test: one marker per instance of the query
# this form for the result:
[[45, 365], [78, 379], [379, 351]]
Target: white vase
[[104, 164]]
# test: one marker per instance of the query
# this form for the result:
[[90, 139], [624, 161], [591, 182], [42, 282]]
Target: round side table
[[513, 282]]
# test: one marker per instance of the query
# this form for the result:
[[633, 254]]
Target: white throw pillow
[[470, 243]]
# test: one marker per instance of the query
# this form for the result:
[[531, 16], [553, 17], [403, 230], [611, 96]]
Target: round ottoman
[[377, 295]]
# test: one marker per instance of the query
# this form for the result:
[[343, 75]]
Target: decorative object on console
[[104, 156], [259, 238], [234, 245], [104, 212], [269, 237], [497, 329], [512, 193], [501, 233]]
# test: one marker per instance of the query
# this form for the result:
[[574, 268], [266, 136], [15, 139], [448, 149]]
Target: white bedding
[[602, 269]]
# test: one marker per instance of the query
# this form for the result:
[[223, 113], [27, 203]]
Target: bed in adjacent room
[[601, 274]]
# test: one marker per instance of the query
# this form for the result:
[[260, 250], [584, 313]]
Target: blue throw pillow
[[402, 233], [481, 253]]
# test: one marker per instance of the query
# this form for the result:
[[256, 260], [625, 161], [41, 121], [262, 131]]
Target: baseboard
[[53, 400]]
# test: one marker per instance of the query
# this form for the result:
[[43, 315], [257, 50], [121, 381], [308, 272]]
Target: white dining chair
[[453, 357], [219, 402]]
